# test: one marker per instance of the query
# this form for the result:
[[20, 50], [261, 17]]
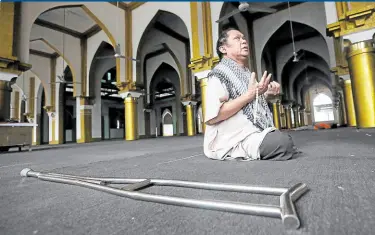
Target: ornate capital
[[49, 108], [287, 104], [134, 94], [203, 64], [189, 99], [189, 102], [30, 117], [356, 20], [342, 70], [274, 98], [123, 86], [50, 111], [129, 89]]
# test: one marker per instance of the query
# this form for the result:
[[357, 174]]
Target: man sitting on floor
[[239, 123]]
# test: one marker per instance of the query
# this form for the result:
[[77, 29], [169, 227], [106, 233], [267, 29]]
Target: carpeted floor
[[337, 165]]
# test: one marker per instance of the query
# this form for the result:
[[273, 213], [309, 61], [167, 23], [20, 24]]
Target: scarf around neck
[[236, 80]]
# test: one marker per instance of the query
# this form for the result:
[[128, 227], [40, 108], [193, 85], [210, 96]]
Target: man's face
[[236, 46]]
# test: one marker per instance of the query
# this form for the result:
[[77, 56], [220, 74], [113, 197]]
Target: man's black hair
[[222, 40]]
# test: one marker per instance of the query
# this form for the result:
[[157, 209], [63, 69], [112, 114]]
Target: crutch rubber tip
[[291, 222], [24, 172]]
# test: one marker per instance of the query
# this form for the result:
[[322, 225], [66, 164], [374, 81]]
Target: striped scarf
[[236, 80]]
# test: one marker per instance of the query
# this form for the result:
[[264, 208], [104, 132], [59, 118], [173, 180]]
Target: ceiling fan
[[296, 57], [117, 47], [62, 79], [244, 6], [116, 55]]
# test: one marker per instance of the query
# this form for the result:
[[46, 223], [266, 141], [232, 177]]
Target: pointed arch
[[166, 74], [169, 35], [279, 48], [316, 19], [99, 66]]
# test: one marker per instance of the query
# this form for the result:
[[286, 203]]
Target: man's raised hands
[[262, 85]]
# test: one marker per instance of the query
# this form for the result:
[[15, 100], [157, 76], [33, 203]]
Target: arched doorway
[[108, 109], [165, 95], [67, 105], [323, 107], [165, 41], [167, 122], [112, 107], [44, 120]]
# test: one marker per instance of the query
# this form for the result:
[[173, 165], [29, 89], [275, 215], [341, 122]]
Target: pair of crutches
[[285, 211]]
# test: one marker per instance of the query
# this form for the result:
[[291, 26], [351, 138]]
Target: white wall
[[42, 69], [215, 15], [93, 44], [331, 12], [67, 46]]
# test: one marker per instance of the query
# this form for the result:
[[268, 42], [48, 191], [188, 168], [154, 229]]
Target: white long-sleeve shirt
[[220, 138]]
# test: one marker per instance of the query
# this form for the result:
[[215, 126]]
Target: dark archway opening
[[165, 95], [113, 124], [44, 121], [67, 106]]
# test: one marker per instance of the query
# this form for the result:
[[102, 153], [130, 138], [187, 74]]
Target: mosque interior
[[74, 76]]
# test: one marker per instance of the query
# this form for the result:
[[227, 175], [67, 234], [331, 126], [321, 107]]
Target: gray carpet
[[337, 165]]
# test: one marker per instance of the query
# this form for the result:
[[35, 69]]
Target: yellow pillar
[[349, 103], [189, 105], [361, 63], [203, 59], [203, 85], [7, 14], [282, 117], [131, 124], [85, 118], [276, 114], [288, 116]]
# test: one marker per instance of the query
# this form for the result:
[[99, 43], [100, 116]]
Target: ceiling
[[76, 23], [75, 18]]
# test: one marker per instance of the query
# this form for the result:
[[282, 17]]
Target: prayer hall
[[102, 108]]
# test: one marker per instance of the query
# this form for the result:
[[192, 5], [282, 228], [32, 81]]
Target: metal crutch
[[285, 211]]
